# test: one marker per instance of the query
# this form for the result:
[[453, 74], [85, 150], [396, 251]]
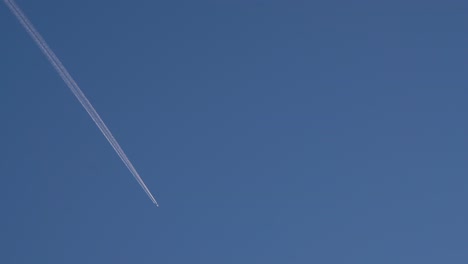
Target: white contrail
[[62, 71]]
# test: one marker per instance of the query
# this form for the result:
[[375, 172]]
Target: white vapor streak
[[62, 71]]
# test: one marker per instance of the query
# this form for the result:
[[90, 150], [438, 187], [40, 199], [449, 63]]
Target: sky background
[[269, 132]]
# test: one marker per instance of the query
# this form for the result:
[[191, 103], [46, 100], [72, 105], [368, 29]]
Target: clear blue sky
[[269, 131]]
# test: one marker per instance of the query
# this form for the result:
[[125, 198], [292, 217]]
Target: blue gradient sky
[[269, 131]]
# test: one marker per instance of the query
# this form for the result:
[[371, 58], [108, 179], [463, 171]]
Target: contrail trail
[[62, 71]]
